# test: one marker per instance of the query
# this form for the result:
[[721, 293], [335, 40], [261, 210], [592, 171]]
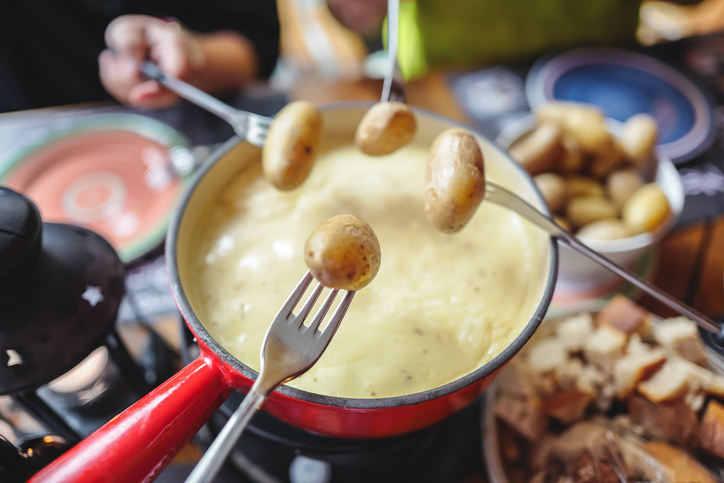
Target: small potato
[[343, 253], [553, 188], [609, 229], [385, 128], [623, 183], [647, 208], [583, 210], [562, 222], [585, 122], [638, 138], [540, 149], [291, 145], [573, 159], [454, 181], [583, 186], [605, 160]]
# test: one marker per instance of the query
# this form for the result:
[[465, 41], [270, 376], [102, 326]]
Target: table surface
[[690, 259]]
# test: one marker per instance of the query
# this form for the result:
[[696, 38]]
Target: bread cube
[[669, 383], [567, 406], [516, 379], [525, 416], [633, 368], [545, 355], [709, 435], [681, 336], [604, 346], [670, 421], [677, 465], [574, 331], [624, 314], [662, 462]]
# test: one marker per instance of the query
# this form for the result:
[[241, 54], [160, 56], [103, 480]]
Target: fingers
[[131, 39], [126, 36], [169, 48], [118, 74], [151, 94], [122, 79]]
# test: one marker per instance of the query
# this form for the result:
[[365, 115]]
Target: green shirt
[[457, 33]]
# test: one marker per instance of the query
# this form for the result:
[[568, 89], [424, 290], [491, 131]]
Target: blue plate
[[624, 83]]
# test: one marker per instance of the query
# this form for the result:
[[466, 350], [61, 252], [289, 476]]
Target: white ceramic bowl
[[579, 277]]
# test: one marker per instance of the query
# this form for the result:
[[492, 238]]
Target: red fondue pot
[[141, 441]]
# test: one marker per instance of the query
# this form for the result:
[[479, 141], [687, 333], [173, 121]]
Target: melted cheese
[[440, 307]]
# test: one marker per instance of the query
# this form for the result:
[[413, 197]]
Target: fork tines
[[296, 295]]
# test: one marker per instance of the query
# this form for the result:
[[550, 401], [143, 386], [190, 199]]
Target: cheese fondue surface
[[440, 307]]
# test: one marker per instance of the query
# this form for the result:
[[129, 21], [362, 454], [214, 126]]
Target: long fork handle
[[194, 95], [392, 71], [703, 321], [505, 198], [214, 458]]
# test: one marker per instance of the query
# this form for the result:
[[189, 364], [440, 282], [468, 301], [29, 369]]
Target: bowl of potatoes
[[604, 182]]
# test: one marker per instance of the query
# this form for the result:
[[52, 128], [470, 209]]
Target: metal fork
[[249, 126], [289, 349], [393, 87], [501, 196]]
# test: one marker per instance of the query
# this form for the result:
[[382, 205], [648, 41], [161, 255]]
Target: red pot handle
[[137, 444]]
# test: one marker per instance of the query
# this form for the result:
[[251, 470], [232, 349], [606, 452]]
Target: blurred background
[[314, 43]]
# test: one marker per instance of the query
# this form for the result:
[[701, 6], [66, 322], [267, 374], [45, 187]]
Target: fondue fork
[[393, 88], [249, 126], [289, 349], [503, 197]]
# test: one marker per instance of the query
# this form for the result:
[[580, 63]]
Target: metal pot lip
[[350, 403]]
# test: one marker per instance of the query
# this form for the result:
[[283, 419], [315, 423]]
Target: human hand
[[131, 39], [362, 16]]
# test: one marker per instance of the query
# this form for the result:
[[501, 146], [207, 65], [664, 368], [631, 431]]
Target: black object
[[12, 464], [450, 450], [60, 289], [18, 464], [715, 341]]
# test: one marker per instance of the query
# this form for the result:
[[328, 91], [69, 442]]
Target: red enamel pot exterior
[[139, 443]]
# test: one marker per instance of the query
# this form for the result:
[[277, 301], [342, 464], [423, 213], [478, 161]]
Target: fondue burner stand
[[273, 451], [64, 368]]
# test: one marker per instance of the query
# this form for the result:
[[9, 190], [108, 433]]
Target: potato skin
[[646, 209], [540, 150], [622, 184], [343, 252], [291, 145], [605, 229], [553, 188], [385, 128], [454, 181], [638, 138], [585, 122], [582, 210]]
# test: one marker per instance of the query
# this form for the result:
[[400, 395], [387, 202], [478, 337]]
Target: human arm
[[362, 16], [216, 62]]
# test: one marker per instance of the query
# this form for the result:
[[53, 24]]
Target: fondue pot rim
[[351, 403]]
